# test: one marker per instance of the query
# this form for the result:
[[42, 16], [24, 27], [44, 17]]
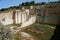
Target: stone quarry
[[15, 33]]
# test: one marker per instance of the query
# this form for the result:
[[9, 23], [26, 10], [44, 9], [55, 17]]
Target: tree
[[28, 3], [58, 0], [32, 2], [22, 4], [2, 9], [43, 3]]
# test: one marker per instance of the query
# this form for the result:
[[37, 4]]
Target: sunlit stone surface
[[13, 33]]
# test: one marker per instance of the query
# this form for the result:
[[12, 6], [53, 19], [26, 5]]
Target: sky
[[8, 3]]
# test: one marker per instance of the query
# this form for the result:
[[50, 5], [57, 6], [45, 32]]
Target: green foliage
[[2, 9], [56, 3], [21, 4], [32, 3], [43, 3], [27, 3]]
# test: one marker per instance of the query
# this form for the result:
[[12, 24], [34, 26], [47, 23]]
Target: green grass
[[47, 29]]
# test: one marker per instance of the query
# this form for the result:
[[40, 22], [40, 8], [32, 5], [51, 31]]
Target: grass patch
[[47, 29]]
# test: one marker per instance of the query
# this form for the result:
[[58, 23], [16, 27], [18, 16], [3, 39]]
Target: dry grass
[[41, 31]]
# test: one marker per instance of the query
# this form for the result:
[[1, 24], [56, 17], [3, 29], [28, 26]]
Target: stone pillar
[[14, 17]]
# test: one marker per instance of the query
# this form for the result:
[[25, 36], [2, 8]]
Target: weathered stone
[[13, 33], [5, 33]]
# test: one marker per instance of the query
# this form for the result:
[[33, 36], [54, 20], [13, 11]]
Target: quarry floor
[[37, 32]]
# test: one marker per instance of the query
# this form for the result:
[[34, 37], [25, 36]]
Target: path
[[26, 36]]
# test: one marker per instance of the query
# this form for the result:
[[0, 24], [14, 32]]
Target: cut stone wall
[[49, 15], [52, 15], [6, 18], [20, 17]]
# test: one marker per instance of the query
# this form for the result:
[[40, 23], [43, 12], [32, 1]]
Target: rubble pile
[[5, 32]]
